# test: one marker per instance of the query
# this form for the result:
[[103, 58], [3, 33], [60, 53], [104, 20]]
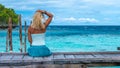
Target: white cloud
[[92, 20], [88, 20], [72, 9], [70, 19]]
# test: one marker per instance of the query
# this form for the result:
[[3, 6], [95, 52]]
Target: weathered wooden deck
[[62, 58]]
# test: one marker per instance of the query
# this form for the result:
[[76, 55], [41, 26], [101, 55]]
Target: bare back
[[36, 31]]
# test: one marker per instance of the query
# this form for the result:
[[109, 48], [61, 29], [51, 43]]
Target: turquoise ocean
[[71, 38]]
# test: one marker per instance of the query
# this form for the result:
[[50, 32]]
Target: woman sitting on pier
[[36, 34]]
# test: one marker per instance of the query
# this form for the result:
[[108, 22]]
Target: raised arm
[[50, 16]]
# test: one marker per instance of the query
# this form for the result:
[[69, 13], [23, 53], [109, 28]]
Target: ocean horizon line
[[65, 25]]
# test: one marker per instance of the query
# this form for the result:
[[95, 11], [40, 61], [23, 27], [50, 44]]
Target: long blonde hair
[[37, 21]]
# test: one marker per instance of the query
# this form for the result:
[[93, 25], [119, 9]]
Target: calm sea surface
[[72, 38]]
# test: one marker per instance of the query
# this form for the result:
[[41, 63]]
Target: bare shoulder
[[29, 29], [35, 31]]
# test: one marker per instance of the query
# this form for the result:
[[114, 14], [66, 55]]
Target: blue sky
[[70, 12]]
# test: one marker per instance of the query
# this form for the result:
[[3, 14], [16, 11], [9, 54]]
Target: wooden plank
[[97, 57], [17, 58], [111, 57], [6, 58], [89, 56], [75, 59], [48, 58], [74, 53], [27, 58], [38, 59], [83, 58], [79, 56], [69, 57], [116, 57], [61, 59], [108, 57], [59, 56]]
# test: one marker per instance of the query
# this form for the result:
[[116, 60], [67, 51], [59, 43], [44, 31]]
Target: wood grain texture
[[61, 59]]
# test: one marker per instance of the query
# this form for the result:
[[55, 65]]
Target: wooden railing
[[9, 46]]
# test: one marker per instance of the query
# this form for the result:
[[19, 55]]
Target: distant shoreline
[[84, 25], [6, 26], [77, 25]]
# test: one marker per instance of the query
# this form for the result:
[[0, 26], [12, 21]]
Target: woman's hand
[[50, 16], [42, 11]]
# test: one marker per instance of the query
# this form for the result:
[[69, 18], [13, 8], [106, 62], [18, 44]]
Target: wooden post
[[7, 39], [10, 34], [20, 33], [25, 38]]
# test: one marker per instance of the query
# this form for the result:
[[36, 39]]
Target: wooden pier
[[60, 60]]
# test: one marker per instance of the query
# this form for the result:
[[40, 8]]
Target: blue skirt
[[39, 51]]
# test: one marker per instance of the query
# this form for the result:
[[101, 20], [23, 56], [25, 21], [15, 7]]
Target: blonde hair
[[37, 21]]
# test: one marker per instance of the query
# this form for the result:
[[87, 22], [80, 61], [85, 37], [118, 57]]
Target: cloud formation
[[94, 11], [93, 20], [70, 19], [90, 20]]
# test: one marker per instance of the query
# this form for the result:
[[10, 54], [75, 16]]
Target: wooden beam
[[10, 34], [20, 33], [7, 40]]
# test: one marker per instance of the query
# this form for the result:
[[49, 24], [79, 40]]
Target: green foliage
[[5, 13]]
